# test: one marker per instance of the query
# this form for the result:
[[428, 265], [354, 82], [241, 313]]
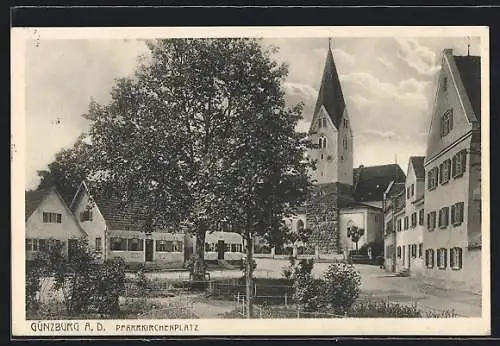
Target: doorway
[[72, 248], [149, 250], [221, 247]]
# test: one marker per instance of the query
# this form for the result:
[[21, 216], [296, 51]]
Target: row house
[[452, 239], [112, 230], [437, 234]]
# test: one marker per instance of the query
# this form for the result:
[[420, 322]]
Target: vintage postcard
[[317, 180]]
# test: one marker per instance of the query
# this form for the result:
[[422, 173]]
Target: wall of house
[[161, 258], [456, 190], [474, 228], [94, 228], [447, 99], [67, 229], [399, 238]]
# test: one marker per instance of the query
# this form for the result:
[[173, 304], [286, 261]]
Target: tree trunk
[[356, 248], [248, 277], [198, 272]]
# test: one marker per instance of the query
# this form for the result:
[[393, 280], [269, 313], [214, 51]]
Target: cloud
[[419, 57], [386, 63], [297, 92]]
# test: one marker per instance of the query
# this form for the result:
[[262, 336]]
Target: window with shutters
[[441, 258], [399, 251], [432, 177], [414, 251], [446, 122], [457, 213], [406, 222], [444, 172], [421, 217], [429, 258], [444, 217], [458, 164], [431, 220], [413, 189], [456, 258], [420, 246], [413, 219], [399, 225]]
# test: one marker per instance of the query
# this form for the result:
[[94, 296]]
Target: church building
[[344, 198]]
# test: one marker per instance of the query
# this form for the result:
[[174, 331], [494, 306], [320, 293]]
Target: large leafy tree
[[265, 166], [68, 169]]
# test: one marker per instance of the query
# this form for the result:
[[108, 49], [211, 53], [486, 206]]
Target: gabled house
[[404, 212], [452, 239], [49, 221], [114, 231]]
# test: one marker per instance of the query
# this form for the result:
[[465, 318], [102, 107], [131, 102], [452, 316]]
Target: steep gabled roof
[[330, 92], [469, 68], [418, 166], [372, 182], [34, 198]]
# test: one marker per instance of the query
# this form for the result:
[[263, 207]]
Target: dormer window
[[446, 122]]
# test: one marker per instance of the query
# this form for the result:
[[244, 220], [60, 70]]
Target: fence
[[270, 312]]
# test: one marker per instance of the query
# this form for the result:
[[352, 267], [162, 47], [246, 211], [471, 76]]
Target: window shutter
[[446, 216], [452, 259], [438, 259], [463, 159], [445, 257], [453, 214], [448, 164], [460, 258], [441, 173], [461, 211], [450, 117], [428, 221], [454, 166], [429, 176]]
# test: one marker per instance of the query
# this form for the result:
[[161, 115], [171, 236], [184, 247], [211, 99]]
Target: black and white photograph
[[314, 180]]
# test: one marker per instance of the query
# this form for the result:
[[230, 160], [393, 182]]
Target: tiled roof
[[330, 93], [418, 166], [370, 183], [34, 198], [118, 216], [469, 68]]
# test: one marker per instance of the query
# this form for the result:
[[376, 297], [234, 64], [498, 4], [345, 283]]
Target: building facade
[[49, 222], [452, 240]]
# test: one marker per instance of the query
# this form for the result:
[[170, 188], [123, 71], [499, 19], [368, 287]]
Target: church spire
[[330, 93]]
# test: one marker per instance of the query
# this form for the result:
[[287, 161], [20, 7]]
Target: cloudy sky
[[388, 84]]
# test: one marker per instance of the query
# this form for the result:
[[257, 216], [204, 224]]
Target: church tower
[[331, 130]]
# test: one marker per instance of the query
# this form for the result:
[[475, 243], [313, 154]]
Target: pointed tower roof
[[330, 93]]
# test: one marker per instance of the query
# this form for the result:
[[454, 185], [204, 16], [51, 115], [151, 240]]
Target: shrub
[[307, 292], [109, 285], [383, 309], [341, 287], [304, 267], [143, 282]]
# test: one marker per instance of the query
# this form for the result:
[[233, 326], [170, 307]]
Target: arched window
[[300, 225], [345, 142], [322, 142]]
